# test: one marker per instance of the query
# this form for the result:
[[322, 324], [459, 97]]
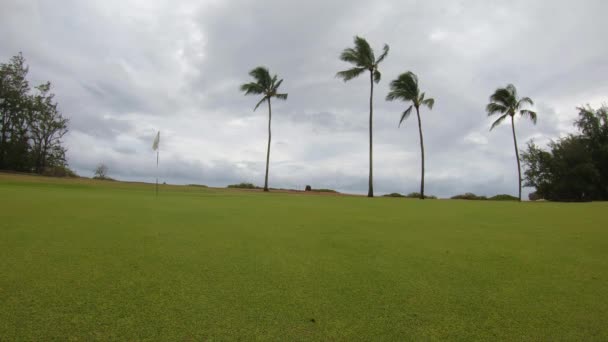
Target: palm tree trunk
[[516, 156], [370, 192], [268, 150], [422, 155]]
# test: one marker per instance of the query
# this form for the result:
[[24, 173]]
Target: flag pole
[[157, 153]]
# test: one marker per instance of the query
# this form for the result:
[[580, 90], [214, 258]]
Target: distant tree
[[363, 58], [405, 88], [14, 103], [31, 126], [47, 126], [506, 103], [267, 86], [308, 188], [101, 171]]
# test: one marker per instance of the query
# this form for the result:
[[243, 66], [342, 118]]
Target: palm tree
[[505, 102], [268, 87], [363, 58], [405, 88]]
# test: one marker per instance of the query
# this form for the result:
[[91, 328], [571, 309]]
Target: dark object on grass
[[308, 188]]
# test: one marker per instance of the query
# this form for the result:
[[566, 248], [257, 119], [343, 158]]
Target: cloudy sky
[[122, 69]]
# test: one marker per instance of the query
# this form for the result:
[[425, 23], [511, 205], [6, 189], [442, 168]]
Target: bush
[[417, 195], [324, 190], [243, 186], [59, 171], [394, 194], [308, 188], [534, 196], [469, 196], [197, 185], [503, 197]]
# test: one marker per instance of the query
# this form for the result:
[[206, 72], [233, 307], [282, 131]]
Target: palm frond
[[259, 103], [349, 74], [281, 96], [365, 52], [505, 96], [405, 87], [262, 76], [277, 85], [498, 121], [528, 113], [252, 88], [429, 103], [406, 114], [496, 108], [377, 76], [350, 55], [384, 54], [525, 100]]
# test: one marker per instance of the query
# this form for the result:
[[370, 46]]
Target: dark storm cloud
[[124, 69]]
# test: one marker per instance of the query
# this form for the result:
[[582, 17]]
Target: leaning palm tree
[[405, 88], [363, 58], [268, 87], [505, 102]]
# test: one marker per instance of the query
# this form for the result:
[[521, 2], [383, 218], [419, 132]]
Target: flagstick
[[157, 152]]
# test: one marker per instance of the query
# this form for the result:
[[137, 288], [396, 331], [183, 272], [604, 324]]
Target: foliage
[[469, 196], [308, 188], [31, 126], [243, 186], [197, 185], [393, 194], [534, 196], [324, 190], [503, 197], [59, 171], [574, 168]]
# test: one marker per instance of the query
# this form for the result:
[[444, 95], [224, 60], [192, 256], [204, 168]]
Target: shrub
[[324, 190], [534, 196], [59, 171], [503, 197], [243, 186], [197, 185], [417, 195], [469, 196], [394, 194], [308, 188]]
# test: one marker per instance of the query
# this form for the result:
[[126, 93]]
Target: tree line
[[504, 102], [31, 125]]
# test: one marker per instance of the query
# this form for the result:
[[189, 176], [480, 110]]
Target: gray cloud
[[123, 69]]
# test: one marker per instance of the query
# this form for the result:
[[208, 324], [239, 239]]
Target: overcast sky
[[122, 69]]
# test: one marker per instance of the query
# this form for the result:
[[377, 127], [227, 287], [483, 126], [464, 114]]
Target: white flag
[[156, 141]]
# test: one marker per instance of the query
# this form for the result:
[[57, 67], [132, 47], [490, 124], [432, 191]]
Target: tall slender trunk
[[516, 156], [370, 191], [268, 150], [422, 154]]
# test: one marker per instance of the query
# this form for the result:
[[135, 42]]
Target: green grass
[[92, 260]]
